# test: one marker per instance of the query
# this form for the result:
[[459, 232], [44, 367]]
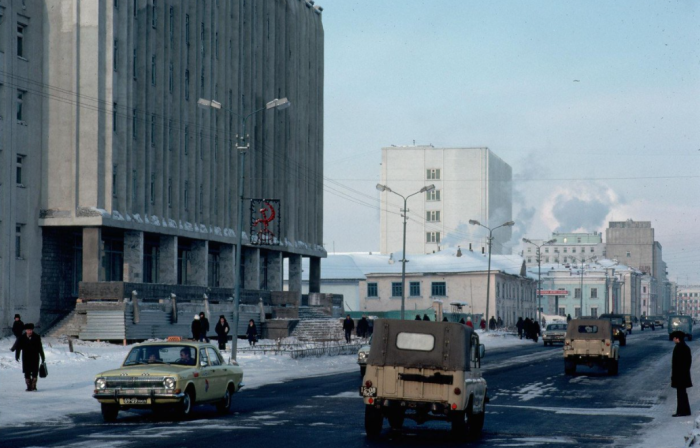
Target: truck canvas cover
[[589, 329], [421, 344]]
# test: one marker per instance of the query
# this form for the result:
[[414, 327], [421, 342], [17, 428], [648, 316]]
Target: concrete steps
[[319, 329], [69, 326], [308, 312]]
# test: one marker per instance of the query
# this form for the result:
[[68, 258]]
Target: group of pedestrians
[[363, 329], [200, 329], [529, 328]]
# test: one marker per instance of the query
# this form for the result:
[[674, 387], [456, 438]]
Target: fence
[[298, 350]]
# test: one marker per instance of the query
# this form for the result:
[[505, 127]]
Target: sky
[[594, 104]]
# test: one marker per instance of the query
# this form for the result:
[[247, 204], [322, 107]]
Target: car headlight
[[169, 383], [100, 383], [362, 356]]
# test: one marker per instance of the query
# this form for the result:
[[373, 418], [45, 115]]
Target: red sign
[[554, 292]]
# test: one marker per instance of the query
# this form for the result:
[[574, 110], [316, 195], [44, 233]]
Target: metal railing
[[306, 349]]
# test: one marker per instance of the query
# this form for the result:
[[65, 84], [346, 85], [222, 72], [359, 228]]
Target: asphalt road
[[532, 404]]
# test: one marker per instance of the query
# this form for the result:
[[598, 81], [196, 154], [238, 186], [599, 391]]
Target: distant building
[[688, 300], [568, 248], [470, 183]]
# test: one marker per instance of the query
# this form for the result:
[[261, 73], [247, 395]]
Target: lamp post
[[582, 260], [488, 274], [539, 272], [242, 146], [384, 188]]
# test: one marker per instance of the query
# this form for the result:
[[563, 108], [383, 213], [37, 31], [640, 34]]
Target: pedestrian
[[535, 330], [348, 326], [17, 330], [418, 317], [362, 327], [425, 317], [444, 319], [527, 324], [568, 318], [30, 347], [492, 323], [482, 324], [196, 328], [500, 322], [520, 325], [252, 333], [680, 373], [204, 327], [222, 330], [461, 321], [469, 322]]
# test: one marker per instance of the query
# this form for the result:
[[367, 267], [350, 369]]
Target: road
[[532, 404]]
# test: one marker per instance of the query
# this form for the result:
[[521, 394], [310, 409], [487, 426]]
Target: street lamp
[[242, 147], [582, 260], [384, 188], [488, 274], [539, 272]]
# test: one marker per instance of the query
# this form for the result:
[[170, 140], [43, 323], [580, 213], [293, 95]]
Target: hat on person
[[201, 314], [17, 316], [677, 334], [222, 317], [28, 326], [196, 317]]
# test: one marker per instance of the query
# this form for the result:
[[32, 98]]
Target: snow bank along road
[[532, 404]]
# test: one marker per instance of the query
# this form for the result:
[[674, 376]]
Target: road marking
[[624, 412]]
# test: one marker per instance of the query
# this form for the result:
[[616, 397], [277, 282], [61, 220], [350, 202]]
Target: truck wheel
[[458, 421], [569, 367], [373, 421], [475, 423], [613, 366], [363, 369], [396, 418], [109, 412]]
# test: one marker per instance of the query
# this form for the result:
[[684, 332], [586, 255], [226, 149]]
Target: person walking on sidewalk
[[30, 347], [222, 330], [680, 373], [348, 326], [17, 330]]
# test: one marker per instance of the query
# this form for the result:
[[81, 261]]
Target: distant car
[[680, 323], [647, 322], [174, 375], [362, 357], [659, 321], [555, 332]]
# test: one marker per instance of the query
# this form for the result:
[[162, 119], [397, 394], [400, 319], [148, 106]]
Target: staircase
[[69, 326], [310, 312], [317, 329]]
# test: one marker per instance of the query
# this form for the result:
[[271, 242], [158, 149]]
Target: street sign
[[553, 292]]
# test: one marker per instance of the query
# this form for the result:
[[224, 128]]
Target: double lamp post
[[539, 272]]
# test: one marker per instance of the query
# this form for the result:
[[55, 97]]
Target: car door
[[205, 392], [218, 374]]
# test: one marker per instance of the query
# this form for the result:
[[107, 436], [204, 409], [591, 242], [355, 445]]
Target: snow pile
[[693, 439], [500, 339]]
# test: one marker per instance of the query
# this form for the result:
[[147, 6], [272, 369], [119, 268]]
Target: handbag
[[43, 370]]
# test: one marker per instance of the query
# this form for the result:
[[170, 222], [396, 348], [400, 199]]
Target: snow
[[69, 385]]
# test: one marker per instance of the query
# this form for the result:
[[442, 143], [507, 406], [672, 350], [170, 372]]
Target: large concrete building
[[568, 248], [111, 173], [470, 183]]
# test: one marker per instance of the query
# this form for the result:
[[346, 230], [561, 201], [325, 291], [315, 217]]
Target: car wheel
[[396, 418], [109, 412], [225, 404], [458, 421], [373, 421], [569, 367], [363, 369], [613, 367], [187, 403], [475, 423]]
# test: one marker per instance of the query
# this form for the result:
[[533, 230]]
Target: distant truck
[[647, 322], [680, 323], [590, 342]]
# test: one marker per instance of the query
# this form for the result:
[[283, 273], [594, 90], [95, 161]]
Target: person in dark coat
[[17, 330], [461, 321], [444, 319], [203, 327], [362, 327], [252, 333], [492, 323], [196, 328], [30, 347], [348, 326], [425, 317], [520, 324], [680, 373], [568, 318], [417, 317], [527, 324], [482, 324], [222, 328], [535, 330], [499, 322]]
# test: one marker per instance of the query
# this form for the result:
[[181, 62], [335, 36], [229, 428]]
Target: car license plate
[[368, 391], [135, 401]]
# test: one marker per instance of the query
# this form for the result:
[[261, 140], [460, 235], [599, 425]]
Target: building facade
[[113, 174], [688, 300], [568, 248], [470, 183]]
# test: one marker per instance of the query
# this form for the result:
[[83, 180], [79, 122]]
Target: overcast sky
[[595, 105]]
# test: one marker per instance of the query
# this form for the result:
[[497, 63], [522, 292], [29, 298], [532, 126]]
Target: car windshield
[[676, 321], [616, 320], [556, 327], [162, 354]]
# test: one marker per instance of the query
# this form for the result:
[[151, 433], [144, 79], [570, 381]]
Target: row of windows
[[554, 259], [688, 294], [565, 250], [437, 289]]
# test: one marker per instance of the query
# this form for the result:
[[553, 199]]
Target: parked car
[[680, 323], [589, 342], [555, 332], [169, 375], [425, 371], [362, 355], [647, 322]]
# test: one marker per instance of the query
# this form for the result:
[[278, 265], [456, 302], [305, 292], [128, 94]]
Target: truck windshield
[[415, 341]]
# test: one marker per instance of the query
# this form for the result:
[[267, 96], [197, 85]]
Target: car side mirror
[[482, 350]]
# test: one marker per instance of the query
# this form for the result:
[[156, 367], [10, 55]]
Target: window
[[18, 241], [20, 162], [438, 289], [135, 9], [594, 293], [187, 29], [116, 4], [153, 129], [546, 250], [170, 78], [170, 192], [591, 250], [573, 250], [432, 195], [115, 54], [396, 289], [432, 216], [153, 70], [594, 312], [114, 117], [153, 188], [414, 289], [114, 181], [20, 104], [644, 289], [433, 174], [415, 341], [628, 254], [566, 250], [187, 84], [20, 39], [187, 140], [577, 312], [562, 311], [577, 293], [529, 259], [546, 259], [432, 237], [154, 14], [372, 290], [133, 63]]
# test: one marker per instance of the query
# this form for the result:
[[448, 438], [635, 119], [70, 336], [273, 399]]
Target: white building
[[470, 183], [568, 248]]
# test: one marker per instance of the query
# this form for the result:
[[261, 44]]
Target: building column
[[314, 274], [199, 263], [295, 273], [227, 265], [167, 260], [275, 278], [133, 256], [251, 264], [92, 253]]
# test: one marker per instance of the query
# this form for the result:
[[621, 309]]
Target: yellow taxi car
[[175, 375]]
